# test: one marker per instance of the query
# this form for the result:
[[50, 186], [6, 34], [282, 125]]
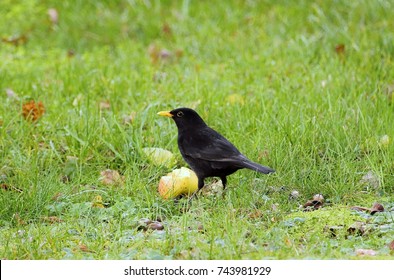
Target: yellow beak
[[165, 114]]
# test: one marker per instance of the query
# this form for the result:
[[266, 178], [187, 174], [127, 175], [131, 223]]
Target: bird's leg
[[224, 181], [200, 186], [200, 183]]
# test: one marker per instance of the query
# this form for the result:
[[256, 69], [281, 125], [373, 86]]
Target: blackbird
[[207, 152]]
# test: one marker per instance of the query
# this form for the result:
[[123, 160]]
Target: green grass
[[314, 114]]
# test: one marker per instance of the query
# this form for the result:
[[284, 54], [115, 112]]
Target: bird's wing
[[210, 145]]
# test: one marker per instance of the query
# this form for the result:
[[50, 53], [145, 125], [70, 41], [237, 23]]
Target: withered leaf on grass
[[158, 55], [365, 252], [255, 214], [163, 55], [8, 187], [129, 119], [105, 105], [315, 203], [166, 29], [376, 207], [18, 219], [340, 49], [52, 219], [32, 110], [111, 178], [391, 245], [147, 224], [85, 248], [358, 228], [16, 40]]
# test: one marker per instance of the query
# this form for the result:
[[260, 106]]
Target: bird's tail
[[257, 167]]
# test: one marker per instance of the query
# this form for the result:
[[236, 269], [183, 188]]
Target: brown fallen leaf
[[18, 219], [16, 40], [255, 214], [84, 248], [166, 29], [32, 110], [111, 178], [105, 105], [52, 219], [333, 230], [129, 119], [365, 252], [377, 207], [155, 226], [8, 187], [391, 245], [340, 49], [70, 53], [147, 224], [315, 203], [157, 54], [358, 228]]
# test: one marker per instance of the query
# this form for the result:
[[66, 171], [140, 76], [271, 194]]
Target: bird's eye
[[179, 114]]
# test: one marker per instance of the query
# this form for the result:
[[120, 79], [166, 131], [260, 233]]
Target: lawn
[[305, 87]]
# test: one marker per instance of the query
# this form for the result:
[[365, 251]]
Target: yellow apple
[[159, 156], [182, 181]]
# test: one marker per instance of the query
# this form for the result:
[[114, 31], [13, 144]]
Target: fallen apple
[[182, 181], [159, 156]]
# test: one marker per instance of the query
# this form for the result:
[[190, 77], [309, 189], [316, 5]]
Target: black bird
[[207, 152]]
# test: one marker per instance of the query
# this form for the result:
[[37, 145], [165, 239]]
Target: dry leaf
[[56, 196], [70, 53], [166, 29], [315, 203], [158, 55], [52, 219], [111, 178], [377, 207], [84, 248], [178, 53], [365, 252], [32, 111], [256, 214], [7, 187], [129, 119], [105, 105], [18, 219], [53, 16], [16, 40], [340, 49], [155, 226], [358, 228], [391, 245]]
